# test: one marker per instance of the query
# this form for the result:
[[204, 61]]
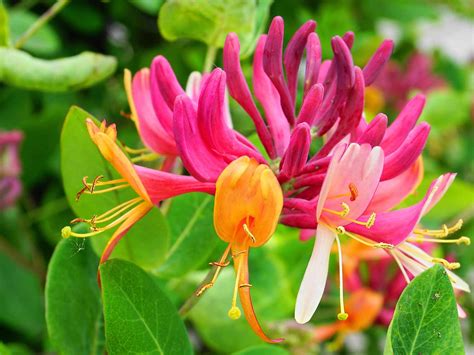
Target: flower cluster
[[10, 168], [345, 191]]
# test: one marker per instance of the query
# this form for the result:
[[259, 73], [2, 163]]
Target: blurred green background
[[127, 30]]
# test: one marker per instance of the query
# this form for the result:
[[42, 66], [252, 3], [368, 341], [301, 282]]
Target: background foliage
[[128, 33]]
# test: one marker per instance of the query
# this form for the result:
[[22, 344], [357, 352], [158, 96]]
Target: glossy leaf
[[18, 68], [150, 7], [74, 308], [426, 318], [4, 29], [147, 242], [208, 21], [139, 317], [263, 350], [192, 234]]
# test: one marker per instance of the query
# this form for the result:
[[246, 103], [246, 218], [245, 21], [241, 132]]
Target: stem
[[48, 15], [210, 58], [193, 299]]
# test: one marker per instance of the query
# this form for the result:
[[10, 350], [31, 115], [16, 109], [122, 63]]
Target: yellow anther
[[204, 288], [245, 285], [345, 209], [384, 246], [354, 191], [66, 232], [342, 316], [441, 233], [219, 264], [446, 264], [371, 221], [234, 313], [340, 230], [465, 240]]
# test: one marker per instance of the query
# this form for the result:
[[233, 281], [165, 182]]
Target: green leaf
[[21, 298], [261, 17], [147, 241], [18, 68], [192, 234], [208, 21], [426, 318], [74, 309], [263, 350], [4, 29], [139, 317], [44, 42]]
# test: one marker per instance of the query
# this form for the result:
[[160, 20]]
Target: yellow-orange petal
[[112, 153], [127, 83]]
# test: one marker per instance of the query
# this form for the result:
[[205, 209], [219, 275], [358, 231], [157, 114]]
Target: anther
[[371, 221], [219, 264], [345, 209], [465, 240], [342, 316], [446, 264], [340, 230], [384, 246], [354, 191], [204, 288], [245, 285]]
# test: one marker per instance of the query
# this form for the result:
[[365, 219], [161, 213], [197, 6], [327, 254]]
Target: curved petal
[[314, 279], [161, 185]]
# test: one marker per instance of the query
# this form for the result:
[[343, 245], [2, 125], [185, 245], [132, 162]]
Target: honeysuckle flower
[[10, 168], [348, 188], [248, 203], [143, 181]]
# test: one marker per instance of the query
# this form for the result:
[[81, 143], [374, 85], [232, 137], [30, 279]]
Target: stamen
[[342, 314], [407, 248], [342, 231], [345, 210], [446, 264], [440, 233], [354, 191], [220, 264], [145, 157], [89, 188], [245, 285], [249, 233], [399, 263], [461, 240], [135, 151], [234, 311], [97, 192]]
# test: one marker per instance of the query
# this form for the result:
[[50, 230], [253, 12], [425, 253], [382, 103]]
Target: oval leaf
[[139, 317], [426, 318], [194, 241], [74, 309]]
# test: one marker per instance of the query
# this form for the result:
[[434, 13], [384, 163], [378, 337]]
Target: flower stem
[[210, 58], [48, 15], [194, 299]]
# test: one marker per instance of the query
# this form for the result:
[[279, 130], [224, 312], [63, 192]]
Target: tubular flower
[[248, 203], [141, 180], [348, 187], [10, 168]]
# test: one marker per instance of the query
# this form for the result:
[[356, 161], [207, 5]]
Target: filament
[[440, 233], [399, 263], [342, 315], [341, 230], [220, 264]]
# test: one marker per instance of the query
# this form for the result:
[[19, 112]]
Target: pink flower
[[10, 168]]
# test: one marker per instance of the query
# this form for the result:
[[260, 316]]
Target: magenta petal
[[239, 90], [269, 97], [407, 153], [272, 64], [311, 103], [403, 124], [167, 82], [350, 114], [161, 185], [377, 62], [152, 132], [293, 53], [348, 39], [375, 131], [395, 226], [203, 163], [313, 61], [296, 155], [212, 120]]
